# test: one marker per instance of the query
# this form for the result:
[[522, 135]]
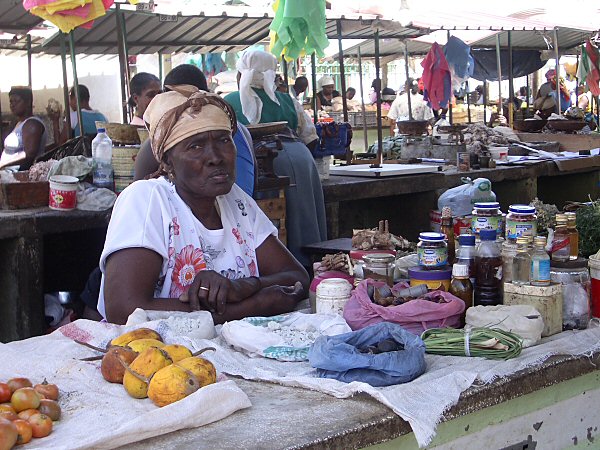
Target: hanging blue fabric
[[460, 60]]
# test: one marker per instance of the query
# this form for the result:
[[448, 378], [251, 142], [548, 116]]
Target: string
[[467, 335]]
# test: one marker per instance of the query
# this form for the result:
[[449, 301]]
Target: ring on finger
[[204, 288]]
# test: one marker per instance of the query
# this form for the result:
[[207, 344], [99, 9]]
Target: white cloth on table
[[150, 214], [420, 109]]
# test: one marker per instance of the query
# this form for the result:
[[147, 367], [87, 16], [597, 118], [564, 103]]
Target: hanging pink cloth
[[436, 78]]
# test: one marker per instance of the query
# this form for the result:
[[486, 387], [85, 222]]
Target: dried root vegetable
[[379, 238]]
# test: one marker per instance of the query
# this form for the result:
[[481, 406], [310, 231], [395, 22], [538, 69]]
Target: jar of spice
[[380, 267], [519, 220], [486, 215], [432, 250], [576, 284]]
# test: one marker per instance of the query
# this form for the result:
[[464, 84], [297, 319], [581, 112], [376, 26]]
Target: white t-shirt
[[420, 109], [150, 214]]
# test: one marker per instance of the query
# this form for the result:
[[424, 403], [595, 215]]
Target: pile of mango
[[147, 367]]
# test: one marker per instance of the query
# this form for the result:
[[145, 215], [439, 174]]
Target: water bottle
[[102, 157]]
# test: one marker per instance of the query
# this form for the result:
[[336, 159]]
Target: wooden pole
[[451, 91], [379, 161], [408, 86], [468, 101], [160, 67], [29, 77], [284, 69], [511, 87], [123, 62], [362, 102], [342, 70], [313, 63], [499, 70], [485, 100]]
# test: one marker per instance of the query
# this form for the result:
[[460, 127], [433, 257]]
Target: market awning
[[14, 18], [233, 29]]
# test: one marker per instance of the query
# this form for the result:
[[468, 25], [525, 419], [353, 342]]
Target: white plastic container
[[102, 150], [323, 164], [332, 295]]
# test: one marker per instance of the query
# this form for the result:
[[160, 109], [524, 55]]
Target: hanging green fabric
[[298, 28]]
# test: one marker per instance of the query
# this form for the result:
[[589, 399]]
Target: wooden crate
[[24, 193], [547, 300], [274, 209]]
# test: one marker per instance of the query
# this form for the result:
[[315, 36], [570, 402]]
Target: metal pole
[[75, 82], [576, 82], [557, 68], [123, 62], [451, 91], [379, 161], [408, 87], [511, 87], [342, 70], [362, 102], [468, 101], [528, 92], [29, 78], [313, 63], [63, 60], [485, 88], [499, 70], [160, 67], [284, 69]]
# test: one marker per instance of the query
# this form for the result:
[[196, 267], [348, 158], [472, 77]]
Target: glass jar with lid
[[379, 267], [576, 284], [520, 219], [432, 250], [486, 216]]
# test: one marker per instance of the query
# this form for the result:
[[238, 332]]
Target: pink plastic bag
[[415, 316]]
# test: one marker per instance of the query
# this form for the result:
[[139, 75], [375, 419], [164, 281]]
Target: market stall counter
[[44, 251], [354, 202]]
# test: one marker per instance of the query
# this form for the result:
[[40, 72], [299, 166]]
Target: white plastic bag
[[461, 198], [523, 320], [286, 337], [195, 324]]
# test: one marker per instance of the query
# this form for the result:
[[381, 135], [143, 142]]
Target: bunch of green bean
[[451, 342]]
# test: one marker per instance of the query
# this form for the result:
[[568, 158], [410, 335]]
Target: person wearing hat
[[327, 92], [399, 109], [545, 100], [190, 239], [256, 102]]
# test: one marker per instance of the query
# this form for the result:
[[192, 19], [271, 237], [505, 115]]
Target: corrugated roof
[[14, 18], [208, 32]]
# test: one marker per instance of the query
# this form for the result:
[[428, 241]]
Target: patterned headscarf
[[183, 112], [257, 69]]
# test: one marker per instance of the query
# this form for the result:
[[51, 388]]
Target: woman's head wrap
[[183, 112], [326, 80], [257, 69]]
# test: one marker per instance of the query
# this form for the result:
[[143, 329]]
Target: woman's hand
[[209, 291]]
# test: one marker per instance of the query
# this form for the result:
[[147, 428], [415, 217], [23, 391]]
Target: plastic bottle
[[522, 262], [102, 156], [573, 235], [540, 263], [488, 263], [466, 254], [561, 245], [461, 286]]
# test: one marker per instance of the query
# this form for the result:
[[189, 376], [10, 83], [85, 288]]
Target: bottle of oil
[[461, 286], [447, 228], [522, 262], [488, 263], [540, 263], [561, 245], [573, 235]]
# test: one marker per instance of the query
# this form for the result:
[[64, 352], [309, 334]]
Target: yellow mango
[[140, 333], [141, 370], [170, 384]]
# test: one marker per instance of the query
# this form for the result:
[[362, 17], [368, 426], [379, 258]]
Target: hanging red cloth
[[593, 76], [436, 78]]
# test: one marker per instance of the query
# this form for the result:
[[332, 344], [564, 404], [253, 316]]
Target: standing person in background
[[27, 140], [327, 92], [281, 84], [300, 86], [399, 109], [258, 102], [375, 86], [143, 87], [89, 117]]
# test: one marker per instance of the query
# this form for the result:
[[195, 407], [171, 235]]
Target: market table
[[355, 202], [521, 405], [43, 250]]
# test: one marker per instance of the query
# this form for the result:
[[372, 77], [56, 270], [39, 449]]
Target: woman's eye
[[226, 140]]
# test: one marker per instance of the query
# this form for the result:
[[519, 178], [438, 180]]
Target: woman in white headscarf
[[258, 102], [327, 92]]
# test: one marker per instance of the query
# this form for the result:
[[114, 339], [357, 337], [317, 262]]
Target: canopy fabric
[[524, 62]]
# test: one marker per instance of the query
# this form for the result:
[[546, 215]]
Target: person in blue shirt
[[146, 164], [89, 117]]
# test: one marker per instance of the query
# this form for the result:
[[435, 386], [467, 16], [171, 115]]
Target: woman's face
[[148, 93], [203, 165], [18, 105]]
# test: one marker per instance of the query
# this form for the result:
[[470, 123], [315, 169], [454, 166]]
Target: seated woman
[[27, 140], [146, 164], [143, 86], [191, 239], [257, 101]]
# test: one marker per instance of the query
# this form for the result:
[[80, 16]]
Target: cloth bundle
[[436, 78]]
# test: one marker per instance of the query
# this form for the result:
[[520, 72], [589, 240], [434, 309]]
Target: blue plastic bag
[[338, 357]]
